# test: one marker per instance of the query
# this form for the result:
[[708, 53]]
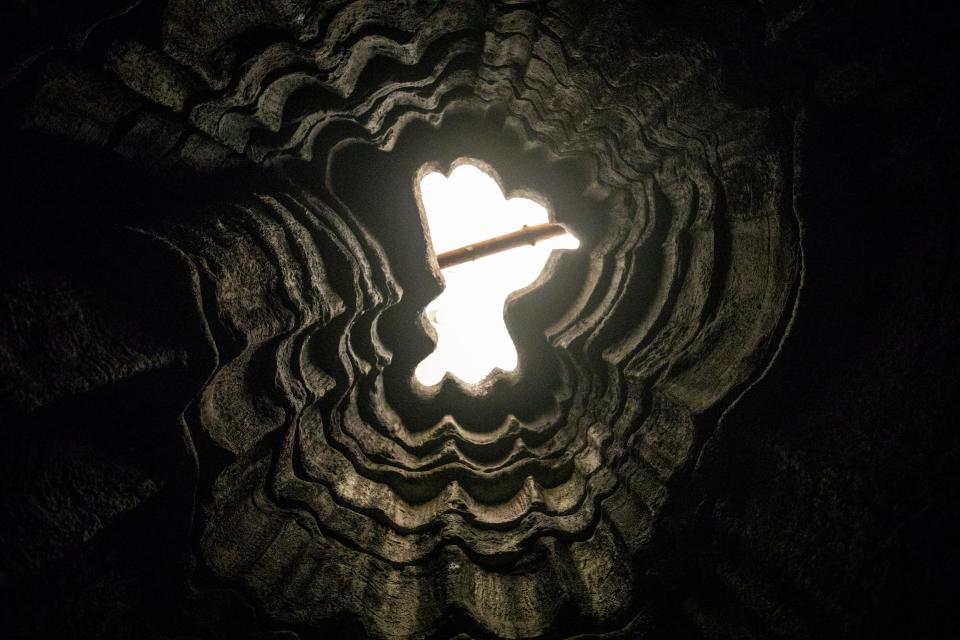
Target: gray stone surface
[[731, 416]]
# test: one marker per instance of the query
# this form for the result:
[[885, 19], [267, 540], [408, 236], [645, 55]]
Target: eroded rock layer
[[326, 487]]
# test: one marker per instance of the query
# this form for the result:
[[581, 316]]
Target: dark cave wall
[[857, 410], [850, 485], [819, 498]]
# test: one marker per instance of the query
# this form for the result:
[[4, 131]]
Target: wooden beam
[[512, 240]]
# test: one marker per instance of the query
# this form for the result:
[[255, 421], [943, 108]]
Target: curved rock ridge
[[326, 473]]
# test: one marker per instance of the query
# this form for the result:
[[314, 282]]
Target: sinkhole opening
[[488, 246]]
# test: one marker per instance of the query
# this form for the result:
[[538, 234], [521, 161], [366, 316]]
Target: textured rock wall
[[726, 418]]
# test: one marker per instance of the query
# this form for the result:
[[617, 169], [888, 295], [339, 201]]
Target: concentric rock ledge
[[328, 485]]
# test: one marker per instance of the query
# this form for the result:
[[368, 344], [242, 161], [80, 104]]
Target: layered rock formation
[[231, 313]]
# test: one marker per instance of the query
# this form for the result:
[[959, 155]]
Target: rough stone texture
[[732, 417]]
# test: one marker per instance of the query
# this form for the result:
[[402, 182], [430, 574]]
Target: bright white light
[[472, 338]]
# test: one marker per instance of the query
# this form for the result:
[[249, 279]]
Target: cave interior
[[733, 415]]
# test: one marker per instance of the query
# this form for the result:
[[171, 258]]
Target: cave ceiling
[[215, 281]]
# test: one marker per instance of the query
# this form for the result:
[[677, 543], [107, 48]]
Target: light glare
[[472, 337]]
